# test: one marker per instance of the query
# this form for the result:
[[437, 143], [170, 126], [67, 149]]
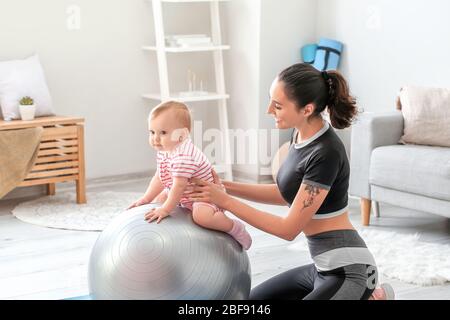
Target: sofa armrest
[[370, 131]]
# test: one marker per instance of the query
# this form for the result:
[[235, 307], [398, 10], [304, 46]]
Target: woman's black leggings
[[307, 283], [347, 271]]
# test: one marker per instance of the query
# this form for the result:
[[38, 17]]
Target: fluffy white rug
[[62, 212], [400, 256], [403, 257]]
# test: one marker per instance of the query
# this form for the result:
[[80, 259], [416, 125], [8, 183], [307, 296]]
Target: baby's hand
[[156, 213], [138, 203]]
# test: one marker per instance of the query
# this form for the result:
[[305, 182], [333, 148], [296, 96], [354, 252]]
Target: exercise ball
[[175, 259]]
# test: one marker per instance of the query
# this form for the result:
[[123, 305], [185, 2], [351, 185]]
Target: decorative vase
[[27, 111]]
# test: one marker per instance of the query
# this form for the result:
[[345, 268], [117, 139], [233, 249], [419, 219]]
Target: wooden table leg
[[51, 189], [365, 211], [81, 191], [81, 184]]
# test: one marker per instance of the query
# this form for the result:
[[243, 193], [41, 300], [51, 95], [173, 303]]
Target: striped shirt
[[186, 161]]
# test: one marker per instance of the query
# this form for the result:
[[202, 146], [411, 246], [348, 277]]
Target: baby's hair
[[183, 114]]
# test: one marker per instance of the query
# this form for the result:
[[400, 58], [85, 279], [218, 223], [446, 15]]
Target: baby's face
[[164, 132]]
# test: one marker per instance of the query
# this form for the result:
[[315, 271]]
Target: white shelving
[[216, 48], [183, 98], [181, 1], [187, 49]]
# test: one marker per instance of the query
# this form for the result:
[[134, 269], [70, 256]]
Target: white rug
[[61, 211], [399, 256], [403, 257]]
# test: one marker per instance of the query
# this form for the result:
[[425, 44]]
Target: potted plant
[[27, 108]]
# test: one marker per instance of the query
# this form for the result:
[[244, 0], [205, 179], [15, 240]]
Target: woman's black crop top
[[320, 161]]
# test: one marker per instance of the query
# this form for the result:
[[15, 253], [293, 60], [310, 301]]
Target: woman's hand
[[217, 179], [204, 191]]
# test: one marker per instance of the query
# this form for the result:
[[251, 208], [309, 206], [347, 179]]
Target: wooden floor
[[44, 263]]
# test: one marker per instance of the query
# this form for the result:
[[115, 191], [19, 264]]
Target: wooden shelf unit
[[61, 153], [188, 48], [216, 48], [177, 96]]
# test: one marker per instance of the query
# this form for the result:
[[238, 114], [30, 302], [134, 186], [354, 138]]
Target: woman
[[313, 182]]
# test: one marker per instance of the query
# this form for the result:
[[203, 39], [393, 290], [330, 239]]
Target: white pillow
[[426, 113], [19, 78]]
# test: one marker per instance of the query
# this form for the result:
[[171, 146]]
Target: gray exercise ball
[[175, 259]]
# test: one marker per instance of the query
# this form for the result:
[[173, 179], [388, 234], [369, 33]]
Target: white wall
[[242, 21], [265, 38], [99, 71], [284, 30], [388, 44]]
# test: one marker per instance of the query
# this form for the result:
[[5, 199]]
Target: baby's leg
[[205, 216]]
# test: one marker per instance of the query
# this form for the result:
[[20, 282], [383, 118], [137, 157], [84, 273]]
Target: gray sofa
[[382, 170]]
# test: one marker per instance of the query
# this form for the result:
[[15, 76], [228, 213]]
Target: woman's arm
[[263, 193], [306, 203]]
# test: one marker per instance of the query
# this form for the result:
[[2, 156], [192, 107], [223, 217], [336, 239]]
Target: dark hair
[[305, 84]]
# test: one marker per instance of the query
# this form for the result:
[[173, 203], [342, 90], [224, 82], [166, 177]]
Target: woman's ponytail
[[341, 105]]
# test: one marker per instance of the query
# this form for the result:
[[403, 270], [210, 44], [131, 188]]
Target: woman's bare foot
[[384, 292]]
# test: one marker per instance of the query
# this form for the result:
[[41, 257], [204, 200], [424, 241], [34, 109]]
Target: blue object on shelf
[[309, 53], [328, 54]]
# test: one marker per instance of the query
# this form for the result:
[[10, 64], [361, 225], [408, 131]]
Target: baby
[[178, 160]]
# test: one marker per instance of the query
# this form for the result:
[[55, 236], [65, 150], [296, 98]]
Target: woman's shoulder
[[329, 149], [330, 143]]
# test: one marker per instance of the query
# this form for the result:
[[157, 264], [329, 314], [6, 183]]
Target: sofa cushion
[[426, 113], [423, 170]]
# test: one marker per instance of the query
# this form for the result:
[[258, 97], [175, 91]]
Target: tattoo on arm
[[312, 193]]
